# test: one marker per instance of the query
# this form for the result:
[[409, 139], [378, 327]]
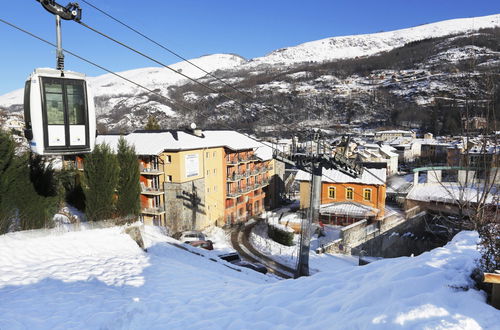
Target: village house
[[344, 199], [390, 135], [372, 154]]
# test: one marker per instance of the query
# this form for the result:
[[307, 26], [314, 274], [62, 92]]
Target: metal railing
[[153, 210]]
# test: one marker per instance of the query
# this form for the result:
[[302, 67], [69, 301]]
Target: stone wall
[[180, 214]]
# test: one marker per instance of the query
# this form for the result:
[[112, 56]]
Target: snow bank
[[101, 279]]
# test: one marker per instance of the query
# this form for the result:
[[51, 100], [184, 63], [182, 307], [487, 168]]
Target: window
[[208, 190], [215, 188], [207, 154], [215, 171], [76, 104], [168, 159], [64, 95], [349, 193], [213, 155], [208, 172], [367, 194], [169, 178], [331, 192], [54, 103]]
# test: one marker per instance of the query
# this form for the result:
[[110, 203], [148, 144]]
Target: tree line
[[32, 192]]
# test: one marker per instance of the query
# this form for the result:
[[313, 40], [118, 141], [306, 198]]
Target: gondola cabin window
[[54, 103], [76, 104]]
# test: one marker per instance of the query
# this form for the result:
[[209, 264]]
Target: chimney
[[195, 131]]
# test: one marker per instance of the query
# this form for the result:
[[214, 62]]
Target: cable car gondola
[[59, 112], [59, 109]]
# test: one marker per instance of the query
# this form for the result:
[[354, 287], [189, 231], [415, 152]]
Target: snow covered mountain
[[369, 44], [368, 78]]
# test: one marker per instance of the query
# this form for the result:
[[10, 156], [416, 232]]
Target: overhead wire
[[176, 71], [155, 93]]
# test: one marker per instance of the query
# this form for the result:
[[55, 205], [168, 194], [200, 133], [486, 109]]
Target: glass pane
[[53, 88], [76, 104], [55, 109], [27, 100]]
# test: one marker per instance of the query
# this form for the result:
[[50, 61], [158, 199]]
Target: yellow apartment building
[[194, 179]]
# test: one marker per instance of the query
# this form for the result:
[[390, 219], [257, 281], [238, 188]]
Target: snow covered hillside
[[364, 79], [369, 44], [101, 279]]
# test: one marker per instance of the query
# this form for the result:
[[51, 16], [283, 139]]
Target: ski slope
[[99, 278]]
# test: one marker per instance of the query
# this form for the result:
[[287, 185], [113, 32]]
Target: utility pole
[[314, 164]]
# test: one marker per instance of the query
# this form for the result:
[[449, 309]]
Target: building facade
[[345, 200]]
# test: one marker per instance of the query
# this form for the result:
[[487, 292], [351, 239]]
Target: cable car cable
[[160, 95], [183, 75], [166, 48]]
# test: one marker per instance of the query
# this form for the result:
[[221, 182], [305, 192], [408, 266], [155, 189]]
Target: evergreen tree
[[129, 190], [100, 178], [21, 207], [7, 171], [152, 124]]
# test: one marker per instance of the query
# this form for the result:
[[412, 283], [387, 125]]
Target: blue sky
[[198, 27]]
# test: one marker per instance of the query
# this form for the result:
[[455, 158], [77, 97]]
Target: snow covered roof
[[348, 209], [154, 143], [448, 193], [369, 176], [396, 131]]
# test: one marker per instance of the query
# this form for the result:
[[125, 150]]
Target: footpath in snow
[[101, 279]]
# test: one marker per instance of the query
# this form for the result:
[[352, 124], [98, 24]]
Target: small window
[[215, 171], [214, 153], [208, 172], [208, 190], [367, 194], [169, 178], [331, 192], [207, 154], [215, 188], [349, 193], [168, 159]]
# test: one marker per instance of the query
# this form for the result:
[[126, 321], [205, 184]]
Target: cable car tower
[[59, 109]]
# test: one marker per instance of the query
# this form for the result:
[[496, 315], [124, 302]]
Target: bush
[[279, 235]]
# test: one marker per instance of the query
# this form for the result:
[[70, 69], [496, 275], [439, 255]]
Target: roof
[[448, 193], [348, 208], [369, 176], [396, 131], [154, 143]]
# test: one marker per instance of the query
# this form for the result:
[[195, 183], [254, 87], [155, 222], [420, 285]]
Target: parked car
[[193, 235], [207, 245], [235, 259]]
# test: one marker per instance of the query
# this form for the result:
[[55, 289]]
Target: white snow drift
[[101, 279]]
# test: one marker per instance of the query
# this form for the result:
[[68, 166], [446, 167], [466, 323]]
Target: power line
[[153, 92], [180, 73], [165, 48]]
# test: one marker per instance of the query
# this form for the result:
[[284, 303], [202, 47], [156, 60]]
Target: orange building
[[345, 200]]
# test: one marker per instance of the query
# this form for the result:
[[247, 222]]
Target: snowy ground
[[100, 279]]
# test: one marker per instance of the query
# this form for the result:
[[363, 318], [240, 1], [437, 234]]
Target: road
[[240, 241]]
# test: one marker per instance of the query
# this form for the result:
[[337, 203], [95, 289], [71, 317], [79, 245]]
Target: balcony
[[235, 176], [234, 193], [151, 170], [151, 191], [153, 210], [232, 161]]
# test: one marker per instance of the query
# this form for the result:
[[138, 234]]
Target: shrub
[[280, 235]]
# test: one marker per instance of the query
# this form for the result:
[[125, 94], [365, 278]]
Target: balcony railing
[[153, 210], [151, 170], [151, 191]]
